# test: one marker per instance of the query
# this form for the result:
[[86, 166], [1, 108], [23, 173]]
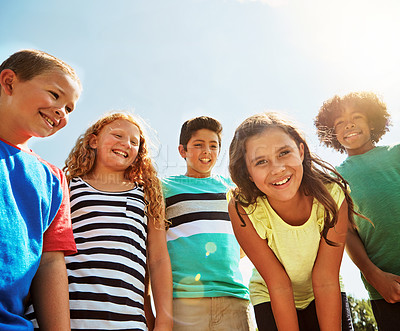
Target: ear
[[93, 141], [251, 178], [7, 80], [182, 151], [301, 151]]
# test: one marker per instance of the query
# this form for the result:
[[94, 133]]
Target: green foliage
[[362, 315]]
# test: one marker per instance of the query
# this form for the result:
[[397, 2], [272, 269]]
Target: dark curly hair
[[365, 102], [316, 173]]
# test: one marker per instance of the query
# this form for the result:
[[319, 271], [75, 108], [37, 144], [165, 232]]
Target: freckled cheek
[[135, 152]]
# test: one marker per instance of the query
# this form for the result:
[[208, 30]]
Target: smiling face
[[201, 153], [117, 146], [274, 163], [38, 107], [353, 131]]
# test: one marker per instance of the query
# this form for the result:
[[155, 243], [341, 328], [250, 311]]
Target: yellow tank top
[[296, 247]]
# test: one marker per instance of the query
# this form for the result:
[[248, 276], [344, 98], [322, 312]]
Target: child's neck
[[109, 182], [361, 150], [19, 141], [295, 212], [197, 176]]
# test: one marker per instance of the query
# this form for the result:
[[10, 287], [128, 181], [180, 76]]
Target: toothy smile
[[353, 134], [125, 155], [47, 119], [205, 160], [283, 181]]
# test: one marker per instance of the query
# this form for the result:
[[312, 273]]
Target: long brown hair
[[316, 172], [82, 158]]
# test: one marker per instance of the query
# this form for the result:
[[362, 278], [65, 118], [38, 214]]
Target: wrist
[[372, 274], [163, 323]]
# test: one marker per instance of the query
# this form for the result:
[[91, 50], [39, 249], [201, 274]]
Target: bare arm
[[160, 276], [325, 275], [387, 284], [269, 267], [148, 311], [50, 293]]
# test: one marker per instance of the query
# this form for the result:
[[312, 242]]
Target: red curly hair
[[82, 158]]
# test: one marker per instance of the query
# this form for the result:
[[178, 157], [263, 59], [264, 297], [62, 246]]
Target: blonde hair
[[82, 158]]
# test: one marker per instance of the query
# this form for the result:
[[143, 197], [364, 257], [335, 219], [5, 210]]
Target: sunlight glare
[[356, 38]]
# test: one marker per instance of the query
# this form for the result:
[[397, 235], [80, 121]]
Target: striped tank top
[[106, 276]]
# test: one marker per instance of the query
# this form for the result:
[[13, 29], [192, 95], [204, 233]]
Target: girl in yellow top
[[290, 216]]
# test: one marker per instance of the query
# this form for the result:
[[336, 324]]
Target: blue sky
[[173, 60]]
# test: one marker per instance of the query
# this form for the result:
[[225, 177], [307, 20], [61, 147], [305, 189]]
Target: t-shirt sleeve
[[59, 235], [338, 194]]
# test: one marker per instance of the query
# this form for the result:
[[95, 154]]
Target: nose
[[277, 166], [61, 112], [350, 125], [126, 142], [207, 149]]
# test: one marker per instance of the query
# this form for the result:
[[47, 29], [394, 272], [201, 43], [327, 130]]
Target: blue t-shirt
[[203, 249], [31, 196]]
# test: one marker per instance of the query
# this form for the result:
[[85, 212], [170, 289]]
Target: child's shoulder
[[386, 153], [334, 188], [27, 161], [54, 169], [395, 148]]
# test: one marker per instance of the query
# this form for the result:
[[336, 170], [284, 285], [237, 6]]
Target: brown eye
[[261, 162], [54, 94], [284, 153]]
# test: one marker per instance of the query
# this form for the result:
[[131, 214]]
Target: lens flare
[[210, 248]]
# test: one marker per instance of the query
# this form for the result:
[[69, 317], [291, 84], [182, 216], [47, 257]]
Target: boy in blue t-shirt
[[208, 290], [353, 124], [37, 93]]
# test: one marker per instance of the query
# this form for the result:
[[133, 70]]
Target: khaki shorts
[[212, 314]]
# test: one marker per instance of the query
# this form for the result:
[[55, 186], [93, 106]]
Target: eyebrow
[[59, 88], [202, 140]]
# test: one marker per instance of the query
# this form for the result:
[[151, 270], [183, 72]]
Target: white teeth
[[351, 135], [121, 153], [205, 160], [48, 120], [284, 181]]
